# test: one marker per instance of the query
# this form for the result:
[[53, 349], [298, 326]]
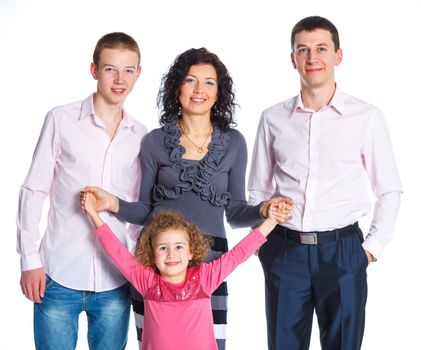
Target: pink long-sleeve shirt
[[74, 150], [178, 316], [323, 160]]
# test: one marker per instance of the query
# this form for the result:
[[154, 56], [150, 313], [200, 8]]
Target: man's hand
[[370, 256], [32, 283]]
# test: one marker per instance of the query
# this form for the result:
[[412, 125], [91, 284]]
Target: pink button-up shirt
[[322, 161], [75, 150]]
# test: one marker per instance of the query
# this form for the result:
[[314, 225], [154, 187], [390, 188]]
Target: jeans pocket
[[48, 282]]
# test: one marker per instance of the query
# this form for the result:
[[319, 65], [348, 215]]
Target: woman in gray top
[[194, 164]]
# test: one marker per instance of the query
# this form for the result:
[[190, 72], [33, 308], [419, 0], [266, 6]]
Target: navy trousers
[[328, 277]]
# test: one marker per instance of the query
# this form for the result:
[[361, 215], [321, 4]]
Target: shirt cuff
[[30, 262], [373, 246]]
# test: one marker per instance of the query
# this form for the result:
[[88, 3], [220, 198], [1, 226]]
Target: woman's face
[[199, 90]]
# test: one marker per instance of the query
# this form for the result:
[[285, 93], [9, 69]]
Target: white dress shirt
[[75, 150], [322, 160]]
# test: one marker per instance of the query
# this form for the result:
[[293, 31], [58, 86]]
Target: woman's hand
[[105, 201]]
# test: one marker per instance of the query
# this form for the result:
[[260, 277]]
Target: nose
[[118, 79], [171, 252], [311, 56], [198, 87]]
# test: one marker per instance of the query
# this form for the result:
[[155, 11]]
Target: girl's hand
[[105, 201], [88, 204], [280, 207]]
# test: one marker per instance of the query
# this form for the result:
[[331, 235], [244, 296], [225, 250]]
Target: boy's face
[[314, 57], [116, 74], [172, 254]]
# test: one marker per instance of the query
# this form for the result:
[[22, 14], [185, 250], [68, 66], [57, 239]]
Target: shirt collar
[[336, 103], [87, 110]]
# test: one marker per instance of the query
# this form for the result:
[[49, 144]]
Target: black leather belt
[[315, 237]]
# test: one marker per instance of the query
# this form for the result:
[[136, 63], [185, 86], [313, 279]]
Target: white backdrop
[[46, 48]]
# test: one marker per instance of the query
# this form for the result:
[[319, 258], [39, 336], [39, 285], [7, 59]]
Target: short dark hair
[[311, 23], [167, 99], [115, 40]]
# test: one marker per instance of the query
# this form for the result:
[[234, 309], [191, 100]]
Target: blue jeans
[[56, 318]]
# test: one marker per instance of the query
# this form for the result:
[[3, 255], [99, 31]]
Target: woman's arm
[[138, 212], [132, 212]]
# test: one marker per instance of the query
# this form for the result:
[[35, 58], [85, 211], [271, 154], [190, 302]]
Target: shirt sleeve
[[33, 193], [261, 185], [136, 273], [238, 212], [215, 272], [381, 167], [138, 212]]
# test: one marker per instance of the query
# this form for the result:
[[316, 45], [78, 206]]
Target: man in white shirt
[[319, 148], [85, 142]]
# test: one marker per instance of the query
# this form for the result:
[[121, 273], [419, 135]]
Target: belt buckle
[[308, 238]]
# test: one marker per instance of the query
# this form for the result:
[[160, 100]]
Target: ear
[[94, 71], [338, 57], [293, 60], [139, 69]]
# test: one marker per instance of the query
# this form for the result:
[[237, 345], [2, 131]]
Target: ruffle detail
[[190, 179]]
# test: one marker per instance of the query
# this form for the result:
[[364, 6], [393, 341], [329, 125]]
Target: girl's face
[[172, 254], [199, 90]]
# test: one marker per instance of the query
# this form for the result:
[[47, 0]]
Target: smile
[[197, 99], [118, 91]]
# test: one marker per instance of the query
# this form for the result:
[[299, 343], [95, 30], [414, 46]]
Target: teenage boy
[[319, 148], [90, 141]]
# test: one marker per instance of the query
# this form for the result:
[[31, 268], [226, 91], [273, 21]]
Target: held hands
[[88, 204], [278, 210], [105, 201], [283, 207]]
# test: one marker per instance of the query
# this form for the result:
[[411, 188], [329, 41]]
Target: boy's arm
[[33, 193]]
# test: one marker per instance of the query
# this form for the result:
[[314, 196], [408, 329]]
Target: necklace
[[199, 148]]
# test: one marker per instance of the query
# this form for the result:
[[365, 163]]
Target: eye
[[130, 70], [322, 49], [109, 69], [190, 80], [211, 82], [162, 249], [179, 247]]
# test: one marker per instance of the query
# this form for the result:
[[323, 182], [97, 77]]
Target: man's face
[[116, 73], [314, 57]]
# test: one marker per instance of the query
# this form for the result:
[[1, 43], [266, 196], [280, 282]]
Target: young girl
[[169, 272]]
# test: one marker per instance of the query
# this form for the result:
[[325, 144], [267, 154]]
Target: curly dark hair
[[165, 220], [167, 99]]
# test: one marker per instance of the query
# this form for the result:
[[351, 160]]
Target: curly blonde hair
[[165, 220]]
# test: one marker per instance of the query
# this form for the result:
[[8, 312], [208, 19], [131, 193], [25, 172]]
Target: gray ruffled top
[[202, 191]]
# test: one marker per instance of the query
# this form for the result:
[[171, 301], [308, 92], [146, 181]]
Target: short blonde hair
[[165, 220]]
